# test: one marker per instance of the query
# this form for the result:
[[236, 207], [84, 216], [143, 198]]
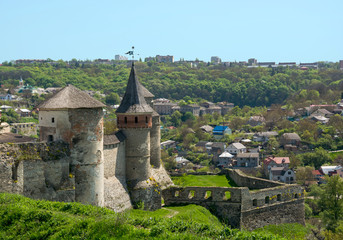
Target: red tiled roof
[[277, 160], [316, 172]]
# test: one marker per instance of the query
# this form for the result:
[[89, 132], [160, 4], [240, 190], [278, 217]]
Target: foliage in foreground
[[24, 218]]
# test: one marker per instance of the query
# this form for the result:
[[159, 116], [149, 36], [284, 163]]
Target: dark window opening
[[279, 197], [15, 171], [266, 200], [146, 119], [136, 119], [254, 202], [53, 120], [50, 138], [125, 120]]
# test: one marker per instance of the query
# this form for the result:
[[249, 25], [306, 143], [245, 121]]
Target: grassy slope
[[203, 181], [24, 218]]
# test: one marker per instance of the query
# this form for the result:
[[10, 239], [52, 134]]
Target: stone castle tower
[[75, 161], [66, 117], [135, 120]]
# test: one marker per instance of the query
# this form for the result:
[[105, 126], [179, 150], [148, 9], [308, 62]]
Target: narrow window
[[279, 197], [125, 120], [254, 202], [266, 200], [53, 120], [146, 119], [50, 138], [136, 119]]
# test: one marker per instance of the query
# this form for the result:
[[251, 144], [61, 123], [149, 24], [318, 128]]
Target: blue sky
[[293, 30]]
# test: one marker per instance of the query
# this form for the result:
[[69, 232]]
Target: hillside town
[[255, 145]]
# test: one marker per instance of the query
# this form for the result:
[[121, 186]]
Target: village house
[[220, 131], [248, 160], [24, 112], [225, 107], [235, 148], [282, 174], [217, 148], [272, 161], [264, 136], [330, 170], [206, 128], [168, 144], [181, 162], [256, 121], [290, 141], [225, 160]]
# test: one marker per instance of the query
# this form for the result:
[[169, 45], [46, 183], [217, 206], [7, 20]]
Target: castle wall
[[37, 170], [242, 208], [114, 161], [251, 182], [116, 193], [26, 129], [286, 212], [155, 142]]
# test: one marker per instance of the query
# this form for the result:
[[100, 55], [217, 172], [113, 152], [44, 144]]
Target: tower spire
[[133, 100]]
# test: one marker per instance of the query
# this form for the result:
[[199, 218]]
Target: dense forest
[[239, 85]]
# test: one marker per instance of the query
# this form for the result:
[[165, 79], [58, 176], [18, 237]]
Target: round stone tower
[[134, 118], [155, 133], [76, 118]]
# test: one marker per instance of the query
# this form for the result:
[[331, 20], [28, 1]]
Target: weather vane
[[131, 53]]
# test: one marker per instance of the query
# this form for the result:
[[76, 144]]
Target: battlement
[[244, 208]]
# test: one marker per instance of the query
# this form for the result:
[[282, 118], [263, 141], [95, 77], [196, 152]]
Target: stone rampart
[[250, 182], [244, 208], [37, 170]]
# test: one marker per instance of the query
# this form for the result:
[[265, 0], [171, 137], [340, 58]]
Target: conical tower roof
[[146, 92], [133, 100], [70, 97]]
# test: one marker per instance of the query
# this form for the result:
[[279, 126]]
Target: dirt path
[[172, 213]]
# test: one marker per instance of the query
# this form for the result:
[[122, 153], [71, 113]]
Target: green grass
[[203, 181], [288, 231], [334, 155], [24, 218]]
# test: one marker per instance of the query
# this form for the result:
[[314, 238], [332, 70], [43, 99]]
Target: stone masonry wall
[[251, 182], [37, 170], [242, 208]]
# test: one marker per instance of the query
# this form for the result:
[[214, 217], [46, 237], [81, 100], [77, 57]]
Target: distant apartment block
[[192, 108], [216, 60], [165, 59], [341, 64], [164, 108], [287, 64], [102, 61], [252, 61], [30, 61], [120, 58], [266, 64], [308, 65]]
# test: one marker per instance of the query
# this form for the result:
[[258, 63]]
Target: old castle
[[75, 161]]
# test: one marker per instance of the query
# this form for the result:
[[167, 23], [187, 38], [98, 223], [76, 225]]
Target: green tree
[[112, 99], [316, 158], [176, 118], [331, 201]]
